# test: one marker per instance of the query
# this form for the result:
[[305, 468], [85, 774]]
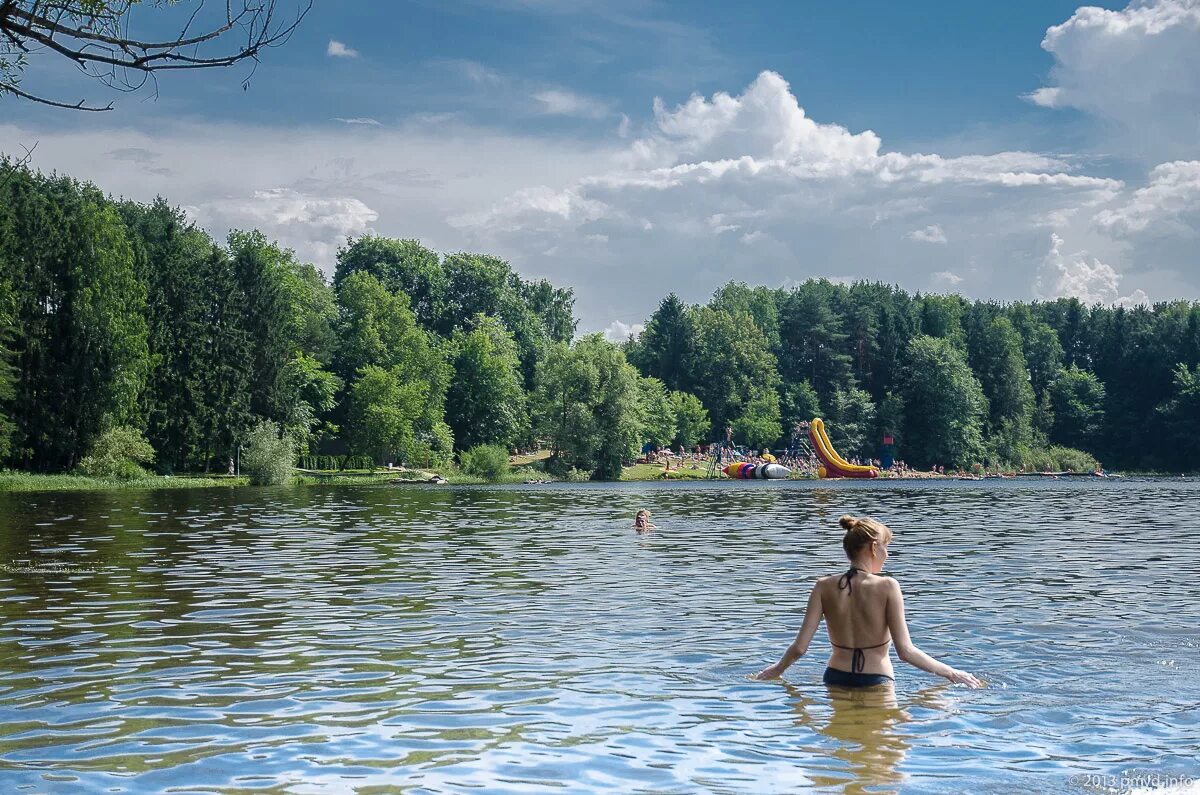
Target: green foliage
[[330, 463], [889, 419], [1040, 345], [730, 363], [561, 470], [1076, 402], [199, 350], [397, 374], [994, 350], [267, 455], [449, 293], [659, 421], [587, 405], [401, 266], [120, 452], [799, 403], [122, 314], [305, 392], [375, 326], [759, 426], [941, 316], [692, 424], [553, 306], [8, 375], [948, 428], [487, 461], [28, 482], [383, 409], [79, 310], [1181, 417], [1059, 459], [665, 346], [759, 303], [852, 422], [813, 341], [485, 404]]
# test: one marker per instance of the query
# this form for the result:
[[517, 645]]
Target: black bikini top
[[858, 660]]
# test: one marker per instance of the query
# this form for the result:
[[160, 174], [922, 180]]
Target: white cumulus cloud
[[1077, 275], [930, 234], [947, 277], [748, 186], [561, 102], [313, 225], [338, 50], [619, 332], [1169, 203], [1136, 69]]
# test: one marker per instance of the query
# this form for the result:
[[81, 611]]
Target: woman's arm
[[799, 647], [908, 651]]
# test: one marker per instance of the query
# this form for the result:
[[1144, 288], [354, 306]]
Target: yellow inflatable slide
[[834, 466]]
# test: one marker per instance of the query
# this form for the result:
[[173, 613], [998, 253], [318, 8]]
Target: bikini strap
[[847, 580], [858, 660]]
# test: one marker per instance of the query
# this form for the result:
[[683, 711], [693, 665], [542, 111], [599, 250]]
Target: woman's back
[[864, 614], [855, 608]]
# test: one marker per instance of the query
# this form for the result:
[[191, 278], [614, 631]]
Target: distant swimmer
[[860, 607], [641, 521]]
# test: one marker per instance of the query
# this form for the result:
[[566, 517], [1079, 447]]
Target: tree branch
[[80, 105], [95, 37], [16, 165]]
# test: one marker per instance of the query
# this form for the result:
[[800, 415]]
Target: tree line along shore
[[132, 343]]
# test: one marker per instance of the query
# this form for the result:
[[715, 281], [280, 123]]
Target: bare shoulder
[[823, 583]]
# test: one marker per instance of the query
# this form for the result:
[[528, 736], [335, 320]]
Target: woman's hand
[[963, 678], [770, 672]]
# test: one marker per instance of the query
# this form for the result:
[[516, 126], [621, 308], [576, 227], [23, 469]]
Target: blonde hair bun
[[861, 531]]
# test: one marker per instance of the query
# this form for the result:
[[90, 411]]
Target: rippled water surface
[[524, 639]]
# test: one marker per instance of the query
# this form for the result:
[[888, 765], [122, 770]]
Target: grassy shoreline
[[29, 481], [21, 482]]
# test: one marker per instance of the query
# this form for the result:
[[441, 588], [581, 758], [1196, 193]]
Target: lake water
[[524, 639]]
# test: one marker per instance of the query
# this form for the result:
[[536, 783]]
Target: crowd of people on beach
[[804, 463], [800, 460]]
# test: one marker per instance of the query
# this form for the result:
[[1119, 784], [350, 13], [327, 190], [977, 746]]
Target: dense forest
[[123, 317]]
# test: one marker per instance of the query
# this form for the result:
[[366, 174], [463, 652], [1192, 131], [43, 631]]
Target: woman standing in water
[[859, 608]]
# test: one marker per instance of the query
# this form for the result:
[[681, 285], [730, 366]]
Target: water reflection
[[867, 726]]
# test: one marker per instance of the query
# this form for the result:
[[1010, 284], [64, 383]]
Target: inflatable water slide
[[832, 464]]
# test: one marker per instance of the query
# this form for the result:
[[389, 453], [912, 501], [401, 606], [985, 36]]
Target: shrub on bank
[[329, 463], [487, 461], [268, 456], [120, 452], [1059, 459]]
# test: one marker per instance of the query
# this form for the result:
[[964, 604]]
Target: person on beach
[[641, 521], [860, 607]]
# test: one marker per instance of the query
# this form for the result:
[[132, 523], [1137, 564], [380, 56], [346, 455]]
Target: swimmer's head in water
[[864, 534], [641, 518]]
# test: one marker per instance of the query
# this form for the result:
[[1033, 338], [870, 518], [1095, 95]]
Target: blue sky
[[627, 148], [912, 75]]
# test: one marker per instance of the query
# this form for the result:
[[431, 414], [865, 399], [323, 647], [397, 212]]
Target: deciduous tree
[[947, 428], [485, 404]]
